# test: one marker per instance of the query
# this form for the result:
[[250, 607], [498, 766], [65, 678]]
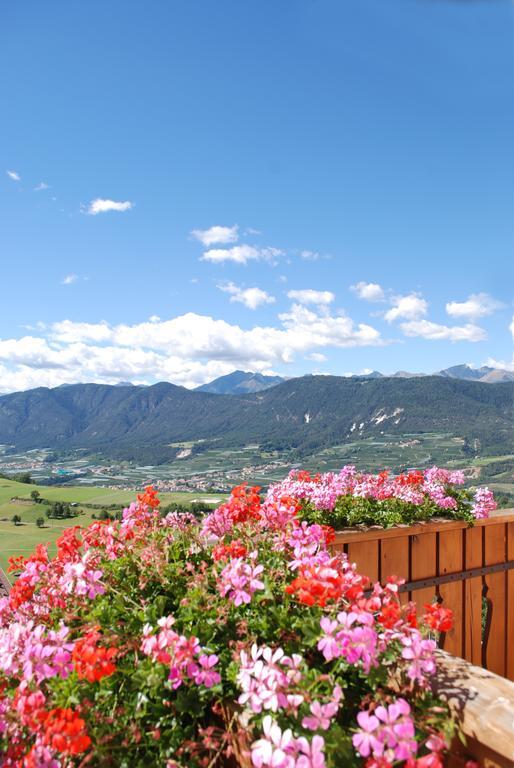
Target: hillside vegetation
[[307, 414]]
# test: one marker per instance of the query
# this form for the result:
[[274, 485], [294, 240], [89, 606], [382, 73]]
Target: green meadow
[[21, 539]]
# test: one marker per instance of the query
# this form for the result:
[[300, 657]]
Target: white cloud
[[189, 349], [436, 332], [216, 234], [250, 297], [241, 254], [99, 205], [318, 357], [69, 279], [511, 327], [310, 255], [368, 291], [41, 186], [502, 365], [408, 307], [309, 296], [477, 305], [13, 175], [68, 332]]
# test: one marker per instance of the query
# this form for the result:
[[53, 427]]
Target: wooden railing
[[468, 569], [483, 704]]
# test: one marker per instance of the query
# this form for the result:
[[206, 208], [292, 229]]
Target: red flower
[[411, 478], [389, 615], [20, 593], [411, 616], [378, 762], [438, 618], [69, 543], [244, 504], [65, 731], [93, 662], [149, 497], [228, 551], [330, 534], [317, 585]]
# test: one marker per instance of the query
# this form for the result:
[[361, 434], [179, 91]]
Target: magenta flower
[[321, 716], [239, 580], [389, 732], [206, 675], [311, 754], [365, 740]]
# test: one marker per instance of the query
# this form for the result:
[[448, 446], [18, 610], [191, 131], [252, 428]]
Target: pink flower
[[238, 580], [273, 748], [206, 675], [321, 716], [311, 754], [389, 732], [420, 654], [365, 740], [267, 678], [483, 503], [183, 655], [328, 645]]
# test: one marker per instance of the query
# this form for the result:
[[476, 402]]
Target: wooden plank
[[473, 597], [394, 560], [483, 705], [366, 556], [495, 552], [509, 670], [423, 558], [375, 532], [451, 561]]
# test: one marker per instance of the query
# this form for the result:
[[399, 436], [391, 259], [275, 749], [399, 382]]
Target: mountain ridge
[[244, 382], [305, 414]]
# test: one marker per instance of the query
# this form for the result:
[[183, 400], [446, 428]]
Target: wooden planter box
[[470, 570]]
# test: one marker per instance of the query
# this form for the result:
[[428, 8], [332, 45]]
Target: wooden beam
[[483, 704]]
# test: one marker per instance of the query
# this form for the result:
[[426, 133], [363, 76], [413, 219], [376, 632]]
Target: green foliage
[[351, 511], [60, 510], [104, 419]]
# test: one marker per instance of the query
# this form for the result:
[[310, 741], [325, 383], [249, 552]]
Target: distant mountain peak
[[240, 383], [465, 371], [370, 375]]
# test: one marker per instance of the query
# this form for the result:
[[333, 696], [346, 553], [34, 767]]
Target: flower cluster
[[167, 641], [239, 579], [351, 497], [183, 655], [266, 677], [389, 732], [91, 661]]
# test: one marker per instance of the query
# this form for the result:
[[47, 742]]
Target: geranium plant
[[350, 498], [240, 639]]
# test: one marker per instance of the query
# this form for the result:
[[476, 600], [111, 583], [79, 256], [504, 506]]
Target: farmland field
[[21, 539], [222, 468]]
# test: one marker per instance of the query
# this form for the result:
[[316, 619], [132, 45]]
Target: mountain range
[[245, 382], [144, 423]]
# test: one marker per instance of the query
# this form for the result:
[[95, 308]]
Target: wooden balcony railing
[[470, 570]]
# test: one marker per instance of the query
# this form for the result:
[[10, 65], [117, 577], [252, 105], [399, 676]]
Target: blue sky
[[305, 186]]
